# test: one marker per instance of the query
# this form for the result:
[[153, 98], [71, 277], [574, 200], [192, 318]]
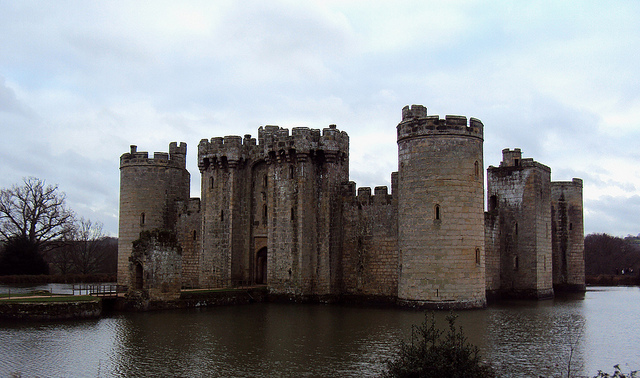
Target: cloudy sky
[[81, 81]]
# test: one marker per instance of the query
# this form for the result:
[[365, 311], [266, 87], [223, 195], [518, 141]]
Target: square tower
[[519, 193]]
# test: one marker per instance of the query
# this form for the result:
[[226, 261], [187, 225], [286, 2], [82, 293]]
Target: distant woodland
[[609, 256]]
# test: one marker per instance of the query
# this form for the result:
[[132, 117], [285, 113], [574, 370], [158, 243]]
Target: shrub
[[616, 374], [432, 353]]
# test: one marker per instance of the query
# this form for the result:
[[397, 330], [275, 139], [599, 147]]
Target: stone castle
[[280, 210]]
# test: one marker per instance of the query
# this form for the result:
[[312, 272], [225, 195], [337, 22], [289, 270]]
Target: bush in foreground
[[432, 353]]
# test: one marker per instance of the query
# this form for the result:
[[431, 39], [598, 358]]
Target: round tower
[[440, 211], [149, 191]]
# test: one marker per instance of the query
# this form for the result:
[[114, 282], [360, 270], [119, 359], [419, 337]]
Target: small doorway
[[261, 266], [138, 277]]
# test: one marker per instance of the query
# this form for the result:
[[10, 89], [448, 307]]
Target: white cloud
[[80, 82]]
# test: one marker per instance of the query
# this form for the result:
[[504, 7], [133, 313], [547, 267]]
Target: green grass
[[53, 299]]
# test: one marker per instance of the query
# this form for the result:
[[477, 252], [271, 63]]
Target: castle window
[[476, 168], [293, 214], [194, 234], [516, 162], [221, 215], [516, 228], [516, 263], [264, 212], [211, 182], [264, 181], [142, 219], [437, 212], [570, 226], [292, 172], [477, 256]]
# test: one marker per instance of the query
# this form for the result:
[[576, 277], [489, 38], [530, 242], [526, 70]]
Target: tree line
[[39, 234], [611, 255]]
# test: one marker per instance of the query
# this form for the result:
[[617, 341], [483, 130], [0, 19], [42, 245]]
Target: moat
[[521, 338]]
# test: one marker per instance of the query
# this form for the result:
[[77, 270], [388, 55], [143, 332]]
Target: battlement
[[363, 197], [273, 140], [575, 183], [176, 157], [513, 159], [416, 123]]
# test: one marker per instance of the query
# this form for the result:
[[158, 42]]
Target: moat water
[[521, 339]]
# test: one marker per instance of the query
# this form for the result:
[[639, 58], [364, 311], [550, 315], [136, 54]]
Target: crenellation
[[364, 196], [413, 126], [415, 111], [280, 210]]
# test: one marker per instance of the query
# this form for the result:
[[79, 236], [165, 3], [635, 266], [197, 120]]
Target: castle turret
[[225, 191], [440, 210], [149, 191]]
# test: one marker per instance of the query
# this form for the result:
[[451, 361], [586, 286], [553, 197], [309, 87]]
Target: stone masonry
[[280, 210]]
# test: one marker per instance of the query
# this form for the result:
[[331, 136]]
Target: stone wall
[[47, 311], [492, 252], [156, 266], [519, 193], [370, 242], [190, 237], [568, 235]]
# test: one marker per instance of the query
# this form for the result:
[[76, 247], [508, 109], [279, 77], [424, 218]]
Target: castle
[[280, 210]]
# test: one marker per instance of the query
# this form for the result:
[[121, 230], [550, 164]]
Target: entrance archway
[[261, 266], [138, 277]]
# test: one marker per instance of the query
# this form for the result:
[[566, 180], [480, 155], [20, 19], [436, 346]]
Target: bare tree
[[89, 243], [35, 212]]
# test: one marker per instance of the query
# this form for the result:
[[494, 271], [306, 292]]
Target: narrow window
[[570, 226], [293, 214], [292, 172], [194, 234], [516, 228], [142, 219], [264, 212], [221, 215], [477, 256], [516, 162], [437, 212], [264, 181], [515, 263], [211, 182], [476, 168]]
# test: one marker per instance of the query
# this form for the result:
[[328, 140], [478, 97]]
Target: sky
[[82, 81]]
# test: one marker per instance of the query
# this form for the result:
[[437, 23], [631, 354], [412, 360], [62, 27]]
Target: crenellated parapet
[[275, 144], [229, 150], [176, 157], [416, 123], [303, 142], [576, 183], [364, 195]]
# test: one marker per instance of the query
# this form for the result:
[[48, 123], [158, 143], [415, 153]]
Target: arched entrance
[[138, 277], [261, 266]]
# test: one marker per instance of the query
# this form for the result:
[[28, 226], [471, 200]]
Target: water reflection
[[521, 339]]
